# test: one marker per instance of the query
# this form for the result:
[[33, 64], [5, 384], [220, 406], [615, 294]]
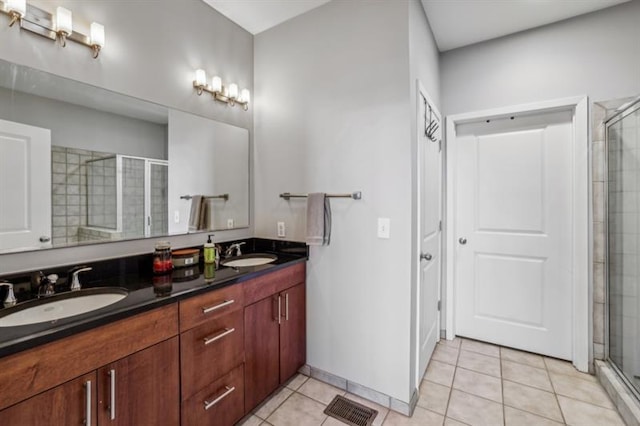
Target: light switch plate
[[384, 225], [281, 230], [229, 223]]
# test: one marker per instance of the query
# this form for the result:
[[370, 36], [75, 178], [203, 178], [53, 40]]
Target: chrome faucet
[[10, 299], [75, 281], [235, 246]]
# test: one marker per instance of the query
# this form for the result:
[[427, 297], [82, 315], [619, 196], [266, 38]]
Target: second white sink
[[254, 259], [62, 306]]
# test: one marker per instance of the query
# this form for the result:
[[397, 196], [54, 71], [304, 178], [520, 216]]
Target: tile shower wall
[[133, 215], [102, 193], [598, 114], [159, 199], [69, 192]]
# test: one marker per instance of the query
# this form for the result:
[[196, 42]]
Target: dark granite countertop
[[145, 291]]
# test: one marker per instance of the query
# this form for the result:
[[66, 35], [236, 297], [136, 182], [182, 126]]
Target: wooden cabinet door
[[61, 406], [293, 342], [262, 350], [141, 389]]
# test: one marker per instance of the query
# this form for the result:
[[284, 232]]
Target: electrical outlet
[[281, 230], [176, 216], [229, 223], [384, 225]]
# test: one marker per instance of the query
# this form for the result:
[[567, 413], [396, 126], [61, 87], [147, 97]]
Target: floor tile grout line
[[529, 386], [455, 369], [587, 403], [279, 405]]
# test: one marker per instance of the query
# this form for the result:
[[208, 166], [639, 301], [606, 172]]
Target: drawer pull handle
[[286, 304], [279, 308], [221, 305], [208, 404], [112, 394], [226, 331], [87, 387]]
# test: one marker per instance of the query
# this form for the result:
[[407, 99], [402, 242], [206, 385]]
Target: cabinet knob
[[462, 240]]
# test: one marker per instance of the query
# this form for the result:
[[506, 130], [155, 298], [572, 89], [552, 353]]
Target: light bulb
[[233, 91], [201, 78], [64, 20], [216, 84], [97, 34], [17, 6], [245, 95]]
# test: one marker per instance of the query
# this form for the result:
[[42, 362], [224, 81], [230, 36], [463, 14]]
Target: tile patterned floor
[[466, 383]]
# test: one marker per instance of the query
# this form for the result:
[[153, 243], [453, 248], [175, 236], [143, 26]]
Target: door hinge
[[439, 305], [440, 226], [439, 145]]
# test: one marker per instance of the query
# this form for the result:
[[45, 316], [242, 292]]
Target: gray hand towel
[[318, 219], [194, 213], [204, 214]]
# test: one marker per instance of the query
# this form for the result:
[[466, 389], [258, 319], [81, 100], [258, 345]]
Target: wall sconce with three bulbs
[[228, 95], [61, 28]]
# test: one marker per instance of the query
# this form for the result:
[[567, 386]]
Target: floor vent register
[[350, 412]]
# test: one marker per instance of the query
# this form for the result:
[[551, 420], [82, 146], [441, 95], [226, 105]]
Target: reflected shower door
[[623, 224]]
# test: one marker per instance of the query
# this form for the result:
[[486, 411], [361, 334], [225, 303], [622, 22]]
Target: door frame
[[581, 211]]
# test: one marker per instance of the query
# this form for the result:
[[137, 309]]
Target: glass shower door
[[623, 225]]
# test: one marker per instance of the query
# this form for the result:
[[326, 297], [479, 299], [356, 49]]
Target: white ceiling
[[455, 23], [256, 16]]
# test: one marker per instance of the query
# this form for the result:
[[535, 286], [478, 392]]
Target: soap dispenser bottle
[[209, 251]]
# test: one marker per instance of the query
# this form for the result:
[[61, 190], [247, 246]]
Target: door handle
[[462, 240], [426, 256]]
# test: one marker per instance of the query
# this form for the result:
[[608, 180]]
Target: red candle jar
[[162, 258]]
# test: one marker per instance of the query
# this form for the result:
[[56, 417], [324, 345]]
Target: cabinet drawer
[[274, 282], [200, 309], [220, 404], [211, 350]]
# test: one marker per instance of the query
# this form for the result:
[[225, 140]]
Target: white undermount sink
[[61, 306], [253, 259]]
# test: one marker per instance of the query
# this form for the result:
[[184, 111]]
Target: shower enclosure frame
[[148, 163], [620, 113]]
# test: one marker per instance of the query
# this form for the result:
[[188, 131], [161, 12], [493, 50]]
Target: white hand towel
[[318, 219]]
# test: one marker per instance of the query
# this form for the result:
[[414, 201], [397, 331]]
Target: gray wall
[[73, 126], [333, 107], [595, 55], [151, 52]]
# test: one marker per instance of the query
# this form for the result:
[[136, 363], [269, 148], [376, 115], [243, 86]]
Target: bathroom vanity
[[187, 352]]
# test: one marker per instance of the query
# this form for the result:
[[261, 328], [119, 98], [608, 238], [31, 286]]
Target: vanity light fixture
[[58, 27], [228, 95]]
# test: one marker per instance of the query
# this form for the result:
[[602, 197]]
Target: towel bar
[[354, 195], [221, 196]]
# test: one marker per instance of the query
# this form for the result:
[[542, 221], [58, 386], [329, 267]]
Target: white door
[[430, 213], [25, 187], [513, 224]]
